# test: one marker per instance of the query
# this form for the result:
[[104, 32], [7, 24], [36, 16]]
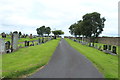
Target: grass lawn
[[101, 44], [21, 39], [107, 64], [27, 60]]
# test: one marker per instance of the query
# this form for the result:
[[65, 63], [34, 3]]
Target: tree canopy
[[58, 32], [90, 26], [43, 30]]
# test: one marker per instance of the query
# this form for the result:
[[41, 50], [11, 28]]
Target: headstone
[[2, 46], [109, 47], [7, 45], [114, 50], [90, 44], [55, 37], [42, 40], [14, 41], [25, 43], [30, 36], [75, 40], [104, 47]]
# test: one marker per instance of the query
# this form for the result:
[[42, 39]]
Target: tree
[[47, 30], [41, 31], [15, 32], [75, 29], [93, 24], [57, 32]]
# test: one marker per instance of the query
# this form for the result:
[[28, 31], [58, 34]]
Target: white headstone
[[2, 46]]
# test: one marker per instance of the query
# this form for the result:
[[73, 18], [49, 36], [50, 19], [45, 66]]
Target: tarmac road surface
[[66, 62]]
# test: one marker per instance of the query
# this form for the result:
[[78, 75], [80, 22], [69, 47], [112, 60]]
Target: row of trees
[[41, 31], [90, 27]]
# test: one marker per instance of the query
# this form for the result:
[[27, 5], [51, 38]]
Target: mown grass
[[107, 64], [101, 44], [21, 39], [27, 60]]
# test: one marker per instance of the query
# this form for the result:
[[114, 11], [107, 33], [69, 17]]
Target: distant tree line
[[91, 26], [41, 31]]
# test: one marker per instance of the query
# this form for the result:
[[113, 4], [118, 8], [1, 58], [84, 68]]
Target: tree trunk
[[54, 36], [82, 38]]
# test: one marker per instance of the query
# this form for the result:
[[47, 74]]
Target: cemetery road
[[66, 62]]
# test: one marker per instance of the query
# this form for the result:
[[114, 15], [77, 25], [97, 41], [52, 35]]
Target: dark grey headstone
[[42, 40], [114, 49], [109, 47], [25, 43], [7, 45], [104, 47]]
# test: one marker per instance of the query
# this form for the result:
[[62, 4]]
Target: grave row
[[7, 47], [39, 41], [106, 48]]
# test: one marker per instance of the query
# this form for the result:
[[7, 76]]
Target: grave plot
[[109, 49], [14, 44]]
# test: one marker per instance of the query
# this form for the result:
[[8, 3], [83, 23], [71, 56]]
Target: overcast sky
[[27, 15]]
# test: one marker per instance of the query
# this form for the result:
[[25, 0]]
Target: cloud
[[27, 15]]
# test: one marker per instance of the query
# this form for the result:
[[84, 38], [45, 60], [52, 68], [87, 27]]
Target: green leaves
[[91, 26], [43, 30], [58, 32]]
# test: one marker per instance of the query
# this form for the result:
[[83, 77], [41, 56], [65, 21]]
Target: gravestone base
[[8, 51], [109, 52]]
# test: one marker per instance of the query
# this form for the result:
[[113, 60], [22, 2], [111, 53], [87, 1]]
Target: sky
[[27, 15]]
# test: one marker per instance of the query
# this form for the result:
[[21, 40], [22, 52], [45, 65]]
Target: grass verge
[[27, 60], [106, 63]]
